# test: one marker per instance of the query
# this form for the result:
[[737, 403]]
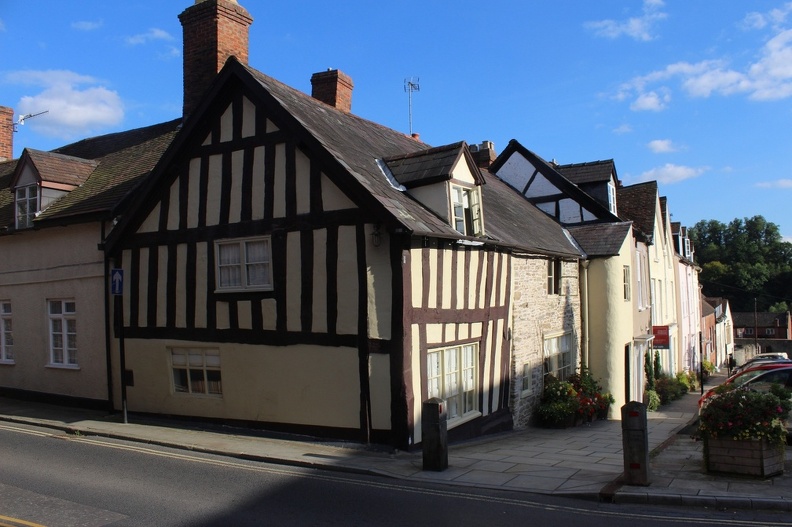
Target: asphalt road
[[49, 478]]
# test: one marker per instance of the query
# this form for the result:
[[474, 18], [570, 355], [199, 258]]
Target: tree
[[744, 260]]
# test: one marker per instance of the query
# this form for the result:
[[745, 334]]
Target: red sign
[[661, 339]]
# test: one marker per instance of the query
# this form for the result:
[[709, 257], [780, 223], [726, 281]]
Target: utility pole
[[756, 330]]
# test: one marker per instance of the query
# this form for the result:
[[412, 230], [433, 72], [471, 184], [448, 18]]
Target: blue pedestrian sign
[[117, 281]]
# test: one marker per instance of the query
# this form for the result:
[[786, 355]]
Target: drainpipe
[[584, 323], [107, 326]]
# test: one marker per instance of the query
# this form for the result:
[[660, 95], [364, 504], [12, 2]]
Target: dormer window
[[466, 210], [27, 205]]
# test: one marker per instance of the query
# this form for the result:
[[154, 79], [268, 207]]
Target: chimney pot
[[483, 154], [333, 87]]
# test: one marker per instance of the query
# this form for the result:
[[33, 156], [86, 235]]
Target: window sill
[[74, 367], [453, 423], [6, 362]]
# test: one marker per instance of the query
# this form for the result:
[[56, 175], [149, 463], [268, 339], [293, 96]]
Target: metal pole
[[701, 361], [119, 310]]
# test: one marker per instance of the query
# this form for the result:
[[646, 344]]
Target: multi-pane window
[[553, 276], [244, 264], [558, 357], [769, 331], [466, 210], [26, 206], [627, 278], [63, 332], [451, 375], [196, 371], [6, 336]]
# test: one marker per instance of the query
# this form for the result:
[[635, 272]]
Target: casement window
[[553, 276], [244, 264], [526, 382], [558, 356], [6, 336], [769, 331], [27, 201], [196, 371], [749, 331], [627, 280], [612, 197], [452, 375], [63, 332], [466, 210]]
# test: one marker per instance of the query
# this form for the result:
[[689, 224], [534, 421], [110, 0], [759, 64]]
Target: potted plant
[[559, 404], [744, 431]]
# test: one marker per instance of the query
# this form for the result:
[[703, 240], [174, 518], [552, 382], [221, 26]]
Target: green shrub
[[669, 389], [652, 400], [689, 380]]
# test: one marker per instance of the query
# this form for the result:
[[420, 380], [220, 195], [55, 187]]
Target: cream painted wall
[[379, 387], [379, 280], [55, 264], [308, 385]]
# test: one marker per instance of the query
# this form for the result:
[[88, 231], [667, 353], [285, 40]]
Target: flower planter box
[[748, 457]]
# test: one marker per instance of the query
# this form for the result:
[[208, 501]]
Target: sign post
[[117, 290]]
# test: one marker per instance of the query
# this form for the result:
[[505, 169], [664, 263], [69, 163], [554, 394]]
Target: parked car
[[747, 375], [764, 358]]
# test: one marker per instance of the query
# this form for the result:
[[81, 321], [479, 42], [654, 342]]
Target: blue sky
[[696, 95]]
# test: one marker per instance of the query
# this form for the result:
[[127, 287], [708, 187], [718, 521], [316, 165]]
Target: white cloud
[[638, 28], [623, 129], [774, 17], [2, 25], [651, 101], [778, 183], [152, 34], [86, 25], [76, 105], [670, 173], [662, 146]]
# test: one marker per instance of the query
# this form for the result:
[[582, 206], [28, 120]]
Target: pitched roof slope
[[589, 172], [601, 239], [638, 203], [57, 168], [426, 166]]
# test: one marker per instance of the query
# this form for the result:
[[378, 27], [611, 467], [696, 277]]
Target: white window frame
[[526, 381], [612, 197], [196, 371], [6, 333], [554, 276], [452, 374], [559, 355], [62, 315], [627, 277], [243, 266], [466, 215], [26, 205]]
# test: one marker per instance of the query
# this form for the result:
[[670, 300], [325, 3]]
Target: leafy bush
[[559, 401], [669, 389], [688, 379], [652, 400]]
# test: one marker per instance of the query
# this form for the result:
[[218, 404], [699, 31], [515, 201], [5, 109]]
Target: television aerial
[[22, 118], [411, 85]]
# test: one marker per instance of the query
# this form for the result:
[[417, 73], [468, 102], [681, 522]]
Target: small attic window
[[27, 205], [466, 210]]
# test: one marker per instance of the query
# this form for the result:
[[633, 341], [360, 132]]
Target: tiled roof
[[637, 203], [590, 172], [57, 168], [601, 239], [511, 219], [117, 162], [426, 166], [763, 319]]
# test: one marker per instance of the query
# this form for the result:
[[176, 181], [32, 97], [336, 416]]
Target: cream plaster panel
[[516, 171], [433, 256], [260, 383], [193, 192], [473, 283], [476, 330], [460, 279], [151, 223], [303, 182], [416, 271], [417, 388], [569, 211], [450, 331], [540, 187], [181, 286], [435, 197], [235, 205], [201, 277], [162, 286], [379, 281], [379, 387], [258, 191], [279, 186], [319, 307], [248, 118], [173, 206], [271, 127], [461, 172], [464, 331], [347, 280], [126, 263], [27, 176], [449, 277], [269, 314], [223, 315], [293, 282], [214, 189], [434, 334], [485, 383], [588, 216], [333, 198], [505, 263], [208, 140], [482, 286], [227, 124], [142, 286], [547, 208], [245, 315]]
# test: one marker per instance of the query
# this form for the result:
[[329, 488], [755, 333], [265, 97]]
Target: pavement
[[584, 462]]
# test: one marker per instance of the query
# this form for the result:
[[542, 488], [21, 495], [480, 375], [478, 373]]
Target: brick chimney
[[213, 31], [483, 154], [6, 133], [333, 87]]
